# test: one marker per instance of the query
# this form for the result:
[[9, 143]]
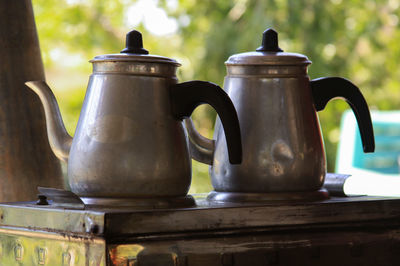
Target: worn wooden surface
[[26, 160]]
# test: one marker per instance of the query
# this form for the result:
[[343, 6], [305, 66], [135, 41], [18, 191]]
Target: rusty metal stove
[[336, 231]]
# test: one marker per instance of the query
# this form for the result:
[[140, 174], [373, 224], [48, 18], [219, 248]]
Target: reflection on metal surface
[[135, 68], [141, 203], [66, 259], [135, 254], [41, 253], [261, 72], [103, 129], [334, 184], [42, 248], [122, 253], [260, 198], [18, 251]]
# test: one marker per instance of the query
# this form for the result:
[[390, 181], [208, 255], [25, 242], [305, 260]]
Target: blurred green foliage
[[355, 39]]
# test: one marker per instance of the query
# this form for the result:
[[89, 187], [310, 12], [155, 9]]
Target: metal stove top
[[205, 215], [210, 232]]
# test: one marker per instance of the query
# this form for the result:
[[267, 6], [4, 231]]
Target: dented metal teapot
[[130, 141], [277, 106]]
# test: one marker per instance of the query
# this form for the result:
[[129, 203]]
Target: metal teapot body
[[130, 141], [126, 130], [282, 144]]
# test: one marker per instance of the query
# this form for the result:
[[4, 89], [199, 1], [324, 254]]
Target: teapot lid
[[268, 53], [134, 52]]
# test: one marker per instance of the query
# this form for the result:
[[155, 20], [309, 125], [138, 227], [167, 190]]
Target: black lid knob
[[42, 200], [134, 43], [269, 42]]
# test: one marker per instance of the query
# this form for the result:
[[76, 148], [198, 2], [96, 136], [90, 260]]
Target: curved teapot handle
[[325, 89], [186, 96]]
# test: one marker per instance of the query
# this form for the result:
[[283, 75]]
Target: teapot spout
[[59, 139]]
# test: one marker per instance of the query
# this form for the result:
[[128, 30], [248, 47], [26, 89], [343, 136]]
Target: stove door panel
[[44, 248]]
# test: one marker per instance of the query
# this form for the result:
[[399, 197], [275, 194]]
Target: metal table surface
[[337, 231]]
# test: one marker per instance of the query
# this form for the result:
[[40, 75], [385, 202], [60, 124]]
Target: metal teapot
[[283, 150], [130, 141]]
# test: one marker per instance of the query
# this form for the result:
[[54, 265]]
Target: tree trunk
[[26, 160]]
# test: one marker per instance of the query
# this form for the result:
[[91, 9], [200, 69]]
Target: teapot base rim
[[270, 197], [140, 202]]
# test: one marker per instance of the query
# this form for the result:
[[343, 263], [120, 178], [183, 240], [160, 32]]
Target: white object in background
[[369, 183]]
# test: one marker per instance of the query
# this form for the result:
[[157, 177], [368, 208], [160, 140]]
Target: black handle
[[186, 96], [325, 89]]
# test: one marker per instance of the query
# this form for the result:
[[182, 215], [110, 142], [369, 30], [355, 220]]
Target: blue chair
[[385, 160]]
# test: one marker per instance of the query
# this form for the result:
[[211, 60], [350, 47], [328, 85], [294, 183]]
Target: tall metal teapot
[[277, 106], [130, 141]]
